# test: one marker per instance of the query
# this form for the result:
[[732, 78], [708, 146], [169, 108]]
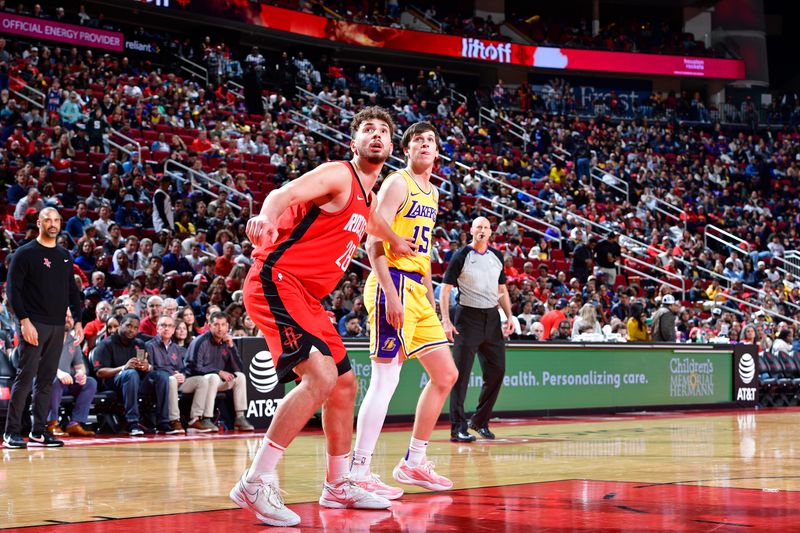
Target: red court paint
[[570, 505]]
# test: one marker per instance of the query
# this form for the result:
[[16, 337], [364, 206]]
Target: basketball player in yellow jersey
[[403, 322]]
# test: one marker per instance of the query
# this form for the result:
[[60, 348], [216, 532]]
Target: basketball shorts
[[421, 329], [292, 320]]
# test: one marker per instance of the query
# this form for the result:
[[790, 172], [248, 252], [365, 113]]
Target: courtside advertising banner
[[49, 30], [264, 393], [541, 378]]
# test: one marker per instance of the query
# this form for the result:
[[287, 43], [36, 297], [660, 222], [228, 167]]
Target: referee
[[41, 287], [477, 270]]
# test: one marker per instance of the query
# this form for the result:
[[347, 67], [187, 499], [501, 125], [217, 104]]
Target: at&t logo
[[747, 371], [262, 372]]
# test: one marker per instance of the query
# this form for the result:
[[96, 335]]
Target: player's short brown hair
[[371, 113], [417, 128]]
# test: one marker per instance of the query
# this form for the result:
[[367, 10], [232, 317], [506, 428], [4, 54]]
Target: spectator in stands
[[352, 327], [184, 228], [174, 261], [783, 341], [71, 110], [536, 330], [553, 318], [586, 322], [201, 145], [563, 333], [188, 316], [167, 357], [195, 258], [169, 307], [95, 127], [32, 200], [663, 325], [122, 362], [245, 144], [607, 254], [163, 212], [583, 260], [86, 259], [98, 287], [221, 201], [95, 199], [71, 378], [225, 262], [637, 328], [123, 265], [128, 216], [244, 257], [102, 312], [181, 335], [190, 292], [214, 355], [149, 325], [7, 322], [103, 221], [20, 187], [621, 309]]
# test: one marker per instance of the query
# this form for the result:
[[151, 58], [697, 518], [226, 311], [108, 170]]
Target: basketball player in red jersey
[[305, 237]]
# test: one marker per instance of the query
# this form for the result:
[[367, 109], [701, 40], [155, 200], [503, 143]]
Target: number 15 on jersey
[[422, 238]]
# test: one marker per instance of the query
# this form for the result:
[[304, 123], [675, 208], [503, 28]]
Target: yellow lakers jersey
[[416, 219]]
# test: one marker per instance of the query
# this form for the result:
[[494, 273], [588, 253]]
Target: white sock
[[265, 461], [338, 468], [416, 452], [359, 467], [372, 414]]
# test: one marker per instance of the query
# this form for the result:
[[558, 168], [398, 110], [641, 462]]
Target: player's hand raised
[[261, 231]]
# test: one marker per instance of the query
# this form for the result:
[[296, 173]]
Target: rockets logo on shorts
[[291, 339]]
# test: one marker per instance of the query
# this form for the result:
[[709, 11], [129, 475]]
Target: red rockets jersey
[[316, 246]]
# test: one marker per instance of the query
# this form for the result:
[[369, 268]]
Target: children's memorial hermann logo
[[690, 378]]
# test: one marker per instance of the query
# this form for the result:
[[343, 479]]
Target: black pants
[[479, 331], [39, 362]]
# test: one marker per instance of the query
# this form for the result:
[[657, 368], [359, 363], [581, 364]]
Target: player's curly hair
[[370, 113]]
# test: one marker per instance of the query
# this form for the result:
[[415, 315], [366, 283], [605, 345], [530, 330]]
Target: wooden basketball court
[[687, 471]]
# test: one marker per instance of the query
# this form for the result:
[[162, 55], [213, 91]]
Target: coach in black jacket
[[41, 286]]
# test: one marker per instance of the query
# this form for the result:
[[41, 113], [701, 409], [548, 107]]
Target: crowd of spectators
[[136, 230]]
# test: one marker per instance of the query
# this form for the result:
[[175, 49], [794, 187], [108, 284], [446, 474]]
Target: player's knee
[[321, 384], [347, 386], [446, 378]]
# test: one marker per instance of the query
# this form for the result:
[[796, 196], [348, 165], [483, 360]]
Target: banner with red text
[[49, 30]]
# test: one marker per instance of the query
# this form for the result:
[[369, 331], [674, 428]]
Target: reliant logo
[[138, 46], [489, 51], [262, 372]]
